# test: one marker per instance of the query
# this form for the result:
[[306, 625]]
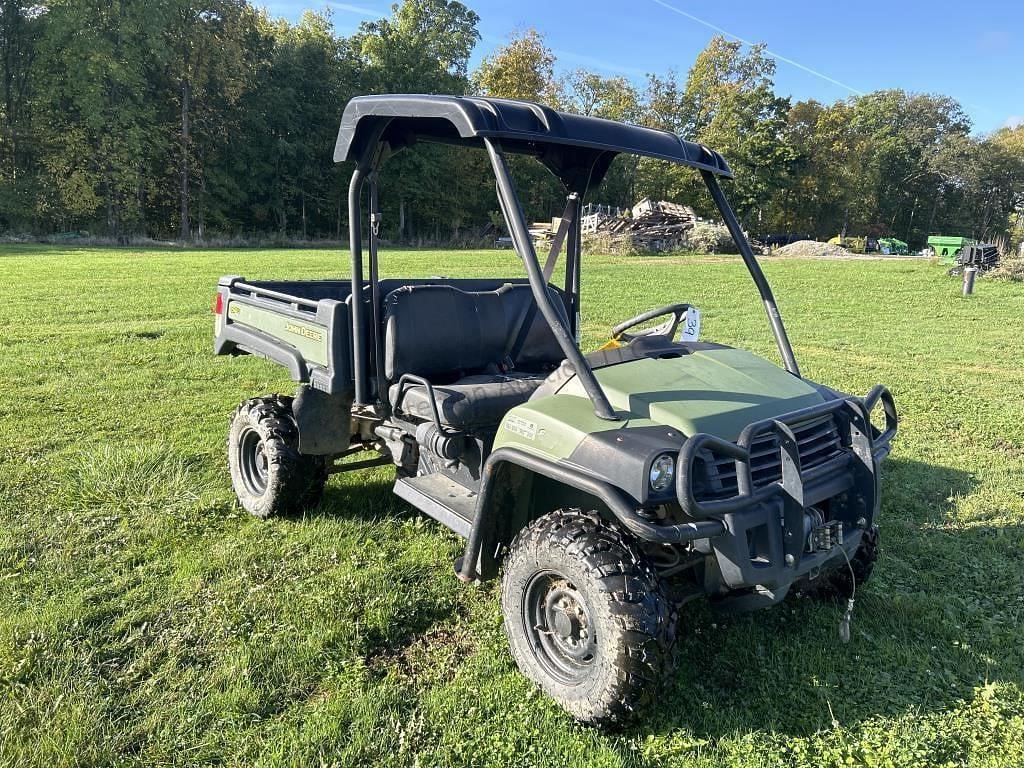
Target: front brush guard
[[868, 448], [776, 512]]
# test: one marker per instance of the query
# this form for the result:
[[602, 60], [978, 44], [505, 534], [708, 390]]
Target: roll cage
[[578, 150]]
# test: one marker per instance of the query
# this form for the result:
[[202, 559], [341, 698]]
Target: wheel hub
[[261, 459], [568, 620], [254, 462], [558, 620]]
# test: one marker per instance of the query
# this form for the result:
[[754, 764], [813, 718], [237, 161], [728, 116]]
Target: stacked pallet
[[651, 226], [597, 218], [655, 226], [543, 232]]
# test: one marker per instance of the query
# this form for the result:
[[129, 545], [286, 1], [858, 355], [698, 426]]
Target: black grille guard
[[865, 446]]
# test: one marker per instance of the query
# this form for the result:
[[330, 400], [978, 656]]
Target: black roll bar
[[778, 329], [520, 233], [512, 211], [355, 240], [572, 269], [375, 298]]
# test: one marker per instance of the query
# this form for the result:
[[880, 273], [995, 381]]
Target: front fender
[[480, 561]]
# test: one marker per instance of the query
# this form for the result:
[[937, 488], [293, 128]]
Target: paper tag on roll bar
[[690, 327]]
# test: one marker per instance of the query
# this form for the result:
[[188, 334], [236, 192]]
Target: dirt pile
[[812, 249]]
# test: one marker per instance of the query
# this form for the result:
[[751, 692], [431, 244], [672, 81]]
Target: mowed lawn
[[145, 619]]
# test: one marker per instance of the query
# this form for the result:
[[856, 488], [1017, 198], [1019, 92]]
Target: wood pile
[[652, 226], [648, 208], [543, 232], [597, 217], [655, 226]]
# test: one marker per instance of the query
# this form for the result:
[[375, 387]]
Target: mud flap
[[324, 421]]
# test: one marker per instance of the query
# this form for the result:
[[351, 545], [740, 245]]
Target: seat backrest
[[540, 349], [439, 330]]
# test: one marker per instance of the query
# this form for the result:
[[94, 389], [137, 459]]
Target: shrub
[[710, 237], [1011, 267]]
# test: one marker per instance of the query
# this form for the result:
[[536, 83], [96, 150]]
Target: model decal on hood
[[522, 427]]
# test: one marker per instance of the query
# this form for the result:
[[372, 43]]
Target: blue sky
[[972, 51]]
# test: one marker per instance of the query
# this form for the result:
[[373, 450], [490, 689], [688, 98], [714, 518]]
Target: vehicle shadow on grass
[[365, 496], [395, 646], [923, 634]]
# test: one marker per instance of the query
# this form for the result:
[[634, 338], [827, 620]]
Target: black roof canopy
[[577, 149]]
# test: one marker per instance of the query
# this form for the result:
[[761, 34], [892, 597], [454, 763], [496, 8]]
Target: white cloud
[[358, 9], [1014, 121], [598, 63]]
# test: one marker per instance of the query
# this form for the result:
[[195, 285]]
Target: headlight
[[663, 472]]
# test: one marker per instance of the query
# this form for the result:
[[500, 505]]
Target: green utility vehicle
[[609, 487]]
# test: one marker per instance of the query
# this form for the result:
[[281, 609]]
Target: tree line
[[192, 119]]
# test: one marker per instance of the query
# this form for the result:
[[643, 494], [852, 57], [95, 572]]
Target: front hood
[[718, 391]]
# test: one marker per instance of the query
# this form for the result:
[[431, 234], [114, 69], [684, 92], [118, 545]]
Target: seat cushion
[[472, 401], [539, 349]]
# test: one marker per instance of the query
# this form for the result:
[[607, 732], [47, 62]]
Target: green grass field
[[145, 619]]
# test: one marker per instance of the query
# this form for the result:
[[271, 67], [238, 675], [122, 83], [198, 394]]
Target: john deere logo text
[[301, 330]]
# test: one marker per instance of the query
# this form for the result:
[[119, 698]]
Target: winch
[[821, 535]]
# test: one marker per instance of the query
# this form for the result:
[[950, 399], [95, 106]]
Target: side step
[[442, 498]]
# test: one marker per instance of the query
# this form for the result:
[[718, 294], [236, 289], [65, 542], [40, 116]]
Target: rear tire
[[585, 616], [269, 475]]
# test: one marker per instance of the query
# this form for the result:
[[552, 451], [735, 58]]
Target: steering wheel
[[667, 328]]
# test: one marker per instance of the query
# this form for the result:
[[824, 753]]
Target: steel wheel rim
[[560, 626], [253, 462]]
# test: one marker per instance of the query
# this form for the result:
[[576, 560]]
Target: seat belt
[[520, 329]]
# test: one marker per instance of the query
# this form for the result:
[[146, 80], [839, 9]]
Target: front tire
[[585, 616], [268, 474]]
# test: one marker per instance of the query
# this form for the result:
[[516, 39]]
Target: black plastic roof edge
[[569, 144]]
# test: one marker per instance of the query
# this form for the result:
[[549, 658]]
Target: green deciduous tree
[[423, 48], [100, 67], [188, 117], [523, 68], [587, 93], [206, 60], [21, 25], [727, 102]]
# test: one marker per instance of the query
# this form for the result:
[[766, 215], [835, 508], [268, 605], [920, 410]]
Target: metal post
[[355, 240], [524, 245], [774, 317], [969, 274]]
